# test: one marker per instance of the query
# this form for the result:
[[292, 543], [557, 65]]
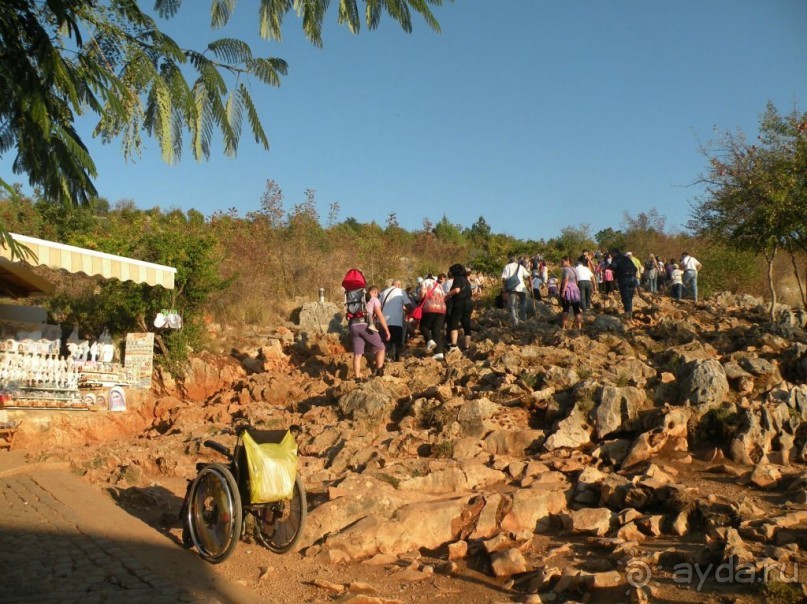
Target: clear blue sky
[[534, 114]]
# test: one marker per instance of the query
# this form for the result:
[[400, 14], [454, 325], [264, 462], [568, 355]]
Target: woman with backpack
[[432, 322]]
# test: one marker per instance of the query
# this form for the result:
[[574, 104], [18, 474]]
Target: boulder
[[572, 432], [428, 525], [508, 562], [360, 496], [513, 443], [532, 508], [703, 384], [321, 317], [618, 410], [590, 521], [368, 406], [208, 374]]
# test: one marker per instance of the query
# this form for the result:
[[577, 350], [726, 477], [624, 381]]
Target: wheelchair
[[217, 507]]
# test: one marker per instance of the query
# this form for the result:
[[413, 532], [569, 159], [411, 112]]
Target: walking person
[[459, 306], [691, 268], [394, 303], [677, 282], [625, 275], [570, 294], [432, 323], [361, 334], [651, 274], [537, 282], [585, 281], [514, 290]]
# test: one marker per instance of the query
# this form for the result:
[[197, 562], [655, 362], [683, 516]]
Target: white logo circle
[[638, 574]]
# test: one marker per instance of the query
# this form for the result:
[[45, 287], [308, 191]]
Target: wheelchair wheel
[[280, 524], [214, 515]]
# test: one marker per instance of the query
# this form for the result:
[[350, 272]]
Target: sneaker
[[453, 348], [431, 345], [439, 356]]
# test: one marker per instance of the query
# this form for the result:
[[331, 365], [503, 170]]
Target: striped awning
[[59, 256]]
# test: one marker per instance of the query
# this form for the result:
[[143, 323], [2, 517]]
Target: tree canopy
[[63, 58], [756, 193]]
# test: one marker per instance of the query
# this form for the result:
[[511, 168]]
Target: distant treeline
[[256, 268]]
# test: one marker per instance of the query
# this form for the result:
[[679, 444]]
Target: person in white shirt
[[676, 276], [537, 282], [514, 291], [585, 278], [691, 268], [394, 301]]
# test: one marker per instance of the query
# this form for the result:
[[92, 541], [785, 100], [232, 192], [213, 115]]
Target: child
[[677, 282], [372, 302], [537, 282], [552, 286]]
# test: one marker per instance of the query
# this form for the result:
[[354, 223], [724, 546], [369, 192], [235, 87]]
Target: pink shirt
[[372, 304]]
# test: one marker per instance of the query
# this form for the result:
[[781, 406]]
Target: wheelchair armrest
[[212, 444]]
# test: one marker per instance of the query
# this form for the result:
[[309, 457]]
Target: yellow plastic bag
[[272, 468]]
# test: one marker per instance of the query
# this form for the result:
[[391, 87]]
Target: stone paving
[[61, 541]]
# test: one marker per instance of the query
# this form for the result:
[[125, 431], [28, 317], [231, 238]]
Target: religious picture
[[88, 399], [117, 399]]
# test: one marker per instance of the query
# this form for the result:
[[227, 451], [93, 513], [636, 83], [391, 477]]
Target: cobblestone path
[[60, 541]]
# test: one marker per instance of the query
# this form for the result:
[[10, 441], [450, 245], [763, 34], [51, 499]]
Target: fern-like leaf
[[268, 71], [271, 15], [220, 12], [167, 8], [349, 15], [252, 116], [231, 50]]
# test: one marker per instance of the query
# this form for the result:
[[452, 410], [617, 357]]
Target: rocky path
[[660, 459]]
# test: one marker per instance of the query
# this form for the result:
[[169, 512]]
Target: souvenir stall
[[38, 372]]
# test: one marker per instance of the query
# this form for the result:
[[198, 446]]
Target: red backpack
[[355, 294]]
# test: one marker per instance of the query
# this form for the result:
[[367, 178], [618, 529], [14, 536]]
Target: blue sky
[[534, 114]]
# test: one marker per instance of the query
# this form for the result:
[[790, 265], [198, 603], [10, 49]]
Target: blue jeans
[[690, 280], [518, 306]]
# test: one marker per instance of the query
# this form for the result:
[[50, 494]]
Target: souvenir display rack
[[33, 376]]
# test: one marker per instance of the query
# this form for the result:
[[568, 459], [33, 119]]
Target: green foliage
[[571, 242], [727, 269], [608, 239], [443, 449], [63, 58], [780, 592], [433, 415], [447, 233]]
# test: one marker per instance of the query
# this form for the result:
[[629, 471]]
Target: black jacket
[[624, 268]]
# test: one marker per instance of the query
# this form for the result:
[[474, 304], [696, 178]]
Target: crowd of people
[[439, 307], [603, 273]]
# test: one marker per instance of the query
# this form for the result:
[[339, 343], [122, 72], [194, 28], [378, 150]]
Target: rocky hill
[[658, 459]]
